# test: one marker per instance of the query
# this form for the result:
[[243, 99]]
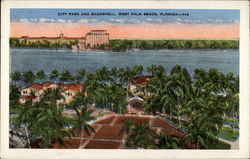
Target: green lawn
[[228, 134]]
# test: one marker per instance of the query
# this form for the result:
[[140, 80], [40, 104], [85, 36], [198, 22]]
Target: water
[[47, 60]]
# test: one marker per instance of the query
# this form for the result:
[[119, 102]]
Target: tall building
[[96, 37]]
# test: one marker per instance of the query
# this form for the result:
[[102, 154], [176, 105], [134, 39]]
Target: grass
[[229, 134]]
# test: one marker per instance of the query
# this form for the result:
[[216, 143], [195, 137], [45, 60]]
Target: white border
[[243, 152]]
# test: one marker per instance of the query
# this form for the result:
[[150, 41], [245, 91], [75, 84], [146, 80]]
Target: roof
[[108, 133], [74, 87], [136, 98], [47, 84], [35, 86], [141, 79], [74, 38], [64, 85], [26, 97], [99, 30], [45, 37]]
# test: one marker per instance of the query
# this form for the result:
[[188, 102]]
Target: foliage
[[124, 45], [24, 43], [139, 135], [198, 105], [219, 145], [229, 134]]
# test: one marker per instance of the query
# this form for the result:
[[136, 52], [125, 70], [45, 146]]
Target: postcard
[[106, 79]]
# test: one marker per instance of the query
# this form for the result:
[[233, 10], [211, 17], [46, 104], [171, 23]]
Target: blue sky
[[195, 16]]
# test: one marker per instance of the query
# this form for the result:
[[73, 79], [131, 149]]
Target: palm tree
[[114, 75], [156, 71], [206, 117], [81, 122], [92, 88], [28, 77], [54, 75], [103, 74], [78, 100], [167, 142], [138, 69], [51, 95], [14, 96], [126, 76], [138, 135], [16, 77], [153, 104], [117, 98], [128, 125], [24, 119], [80, 75], [40, 75], [66, 76], [49, 124]]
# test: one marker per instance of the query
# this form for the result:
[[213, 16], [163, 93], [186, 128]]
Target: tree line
[[198, 105], [125, 45], [18, 43]]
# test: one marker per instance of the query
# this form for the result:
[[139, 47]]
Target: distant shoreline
[[110, 51], [126, 45]]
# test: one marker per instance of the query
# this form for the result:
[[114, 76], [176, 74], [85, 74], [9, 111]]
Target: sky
[[127, 23]]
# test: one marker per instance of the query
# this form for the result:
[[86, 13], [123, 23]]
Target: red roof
[[141, 79], [75, 87], [64, 85], [74, 37], [26, 97], [47, 84], [35, 86], [45, 37], [99, 30]]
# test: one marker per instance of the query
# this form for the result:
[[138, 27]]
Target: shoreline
[[110, 51]]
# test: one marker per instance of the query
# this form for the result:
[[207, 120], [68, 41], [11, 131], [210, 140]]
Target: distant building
[[137, 83], [68, 91], [60, 38], [91, 39], [135, 106], [96, 37], [26, 93]]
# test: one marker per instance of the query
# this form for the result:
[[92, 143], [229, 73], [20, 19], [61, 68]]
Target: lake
[[47, 60]]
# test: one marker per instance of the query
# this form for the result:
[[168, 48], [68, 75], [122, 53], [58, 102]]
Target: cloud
[[125, 21], [200, 21], [27, 20], [44, 20], [154, 20], [87, 21], [221, 21], [172, 20]]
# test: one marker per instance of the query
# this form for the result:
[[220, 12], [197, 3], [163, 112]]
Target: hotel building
[[96, 37]]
